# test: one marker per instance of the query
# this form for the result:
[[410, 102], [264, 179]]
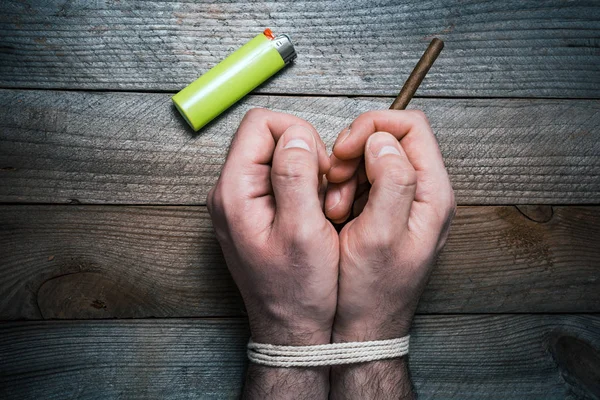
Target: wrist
[[289, 332], [291, 320], [368, 329], [387, 378], [267, 382]]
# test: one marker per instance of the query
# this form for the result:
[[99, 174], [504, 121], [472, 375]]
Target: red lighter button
[[268, 33]]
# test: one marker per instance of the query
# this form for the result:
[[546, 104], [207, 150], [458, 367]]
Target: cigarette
[[418, 74]]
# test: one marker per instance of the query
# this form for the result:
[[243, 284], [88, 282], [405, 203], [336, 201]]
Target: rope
[[326, 354]]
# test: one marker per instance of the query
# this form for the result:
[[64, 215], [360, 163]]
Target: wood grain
[[501, 49], [452, 357], [81, 262], [134, 148]]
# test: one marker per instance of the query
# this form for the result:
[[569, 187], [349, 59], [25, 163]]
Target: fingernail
[[333, 197], [297, 137], [388, 150], [298, 144], [381, 144], [343, 137]]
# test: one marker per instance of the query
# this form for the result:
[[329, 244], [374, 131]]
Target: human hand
[[266, 208], [388, 250]]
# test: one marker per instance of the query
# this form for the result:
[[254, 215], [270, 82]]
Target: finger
[[277, 123], [247, 166], [398, 123], [295, 177], [338, 201], [408, 126], [342, 170], [393, 180], [417, 140]]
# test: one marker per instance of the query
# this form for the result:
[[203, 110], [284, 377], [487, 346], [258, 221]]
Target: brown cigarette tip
[[418, 74]]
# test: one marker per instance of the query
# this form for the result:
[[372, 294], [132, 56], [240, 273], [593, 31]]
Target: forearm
[[385, 379], [286, 383], [265, 382]]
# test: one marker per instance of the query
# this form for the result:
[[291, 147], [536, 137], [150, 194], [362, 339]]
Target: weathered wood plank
[[134, 148], [508, 48], [452, 357], [79, 262]]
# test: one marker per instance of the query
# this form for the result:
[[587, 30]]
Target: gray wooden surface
[[452, 357], [132, 148], [512, 310], [506, 48], [121, 262]]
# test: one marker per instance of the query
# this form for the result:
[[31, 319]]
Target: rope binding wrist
[[326, 354]]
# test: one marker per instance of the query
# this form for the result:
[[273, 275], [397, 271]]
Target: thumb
[[393, 180], [295, 177]]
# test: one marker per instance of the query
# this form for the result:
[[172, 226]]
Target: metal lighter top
[[234, 77]]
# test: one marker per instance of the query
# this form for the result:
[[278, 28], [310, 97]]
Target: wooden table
[[111, 282]]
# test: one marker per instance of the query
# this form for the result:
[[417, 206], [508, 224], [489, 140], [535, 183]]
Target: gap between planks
[[299, 94]]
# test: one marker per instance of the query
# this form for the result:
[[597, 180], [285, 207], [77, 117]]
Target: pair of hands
[[301, 281]]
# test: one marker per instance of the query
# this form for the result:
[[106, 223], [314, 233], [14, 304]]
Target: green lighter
[[234, 77]]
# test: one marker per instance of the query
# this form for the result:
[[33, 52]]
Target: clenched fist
[[388, 169], [267, 212], [388, 250]]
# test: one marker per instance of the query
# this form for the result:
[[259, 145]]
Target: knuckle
[[294, 170], [419, 115], [215, 202], [401, 181], [446, 221], [228, 207], [304, 124], [209, 200], [380, 244], [255, 113], [367, 116], [452, 205], [217, 197], [303, 234], [223, 204], [221, 234], [384, 240], [217, 212], [448, 205], [444, 208]]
